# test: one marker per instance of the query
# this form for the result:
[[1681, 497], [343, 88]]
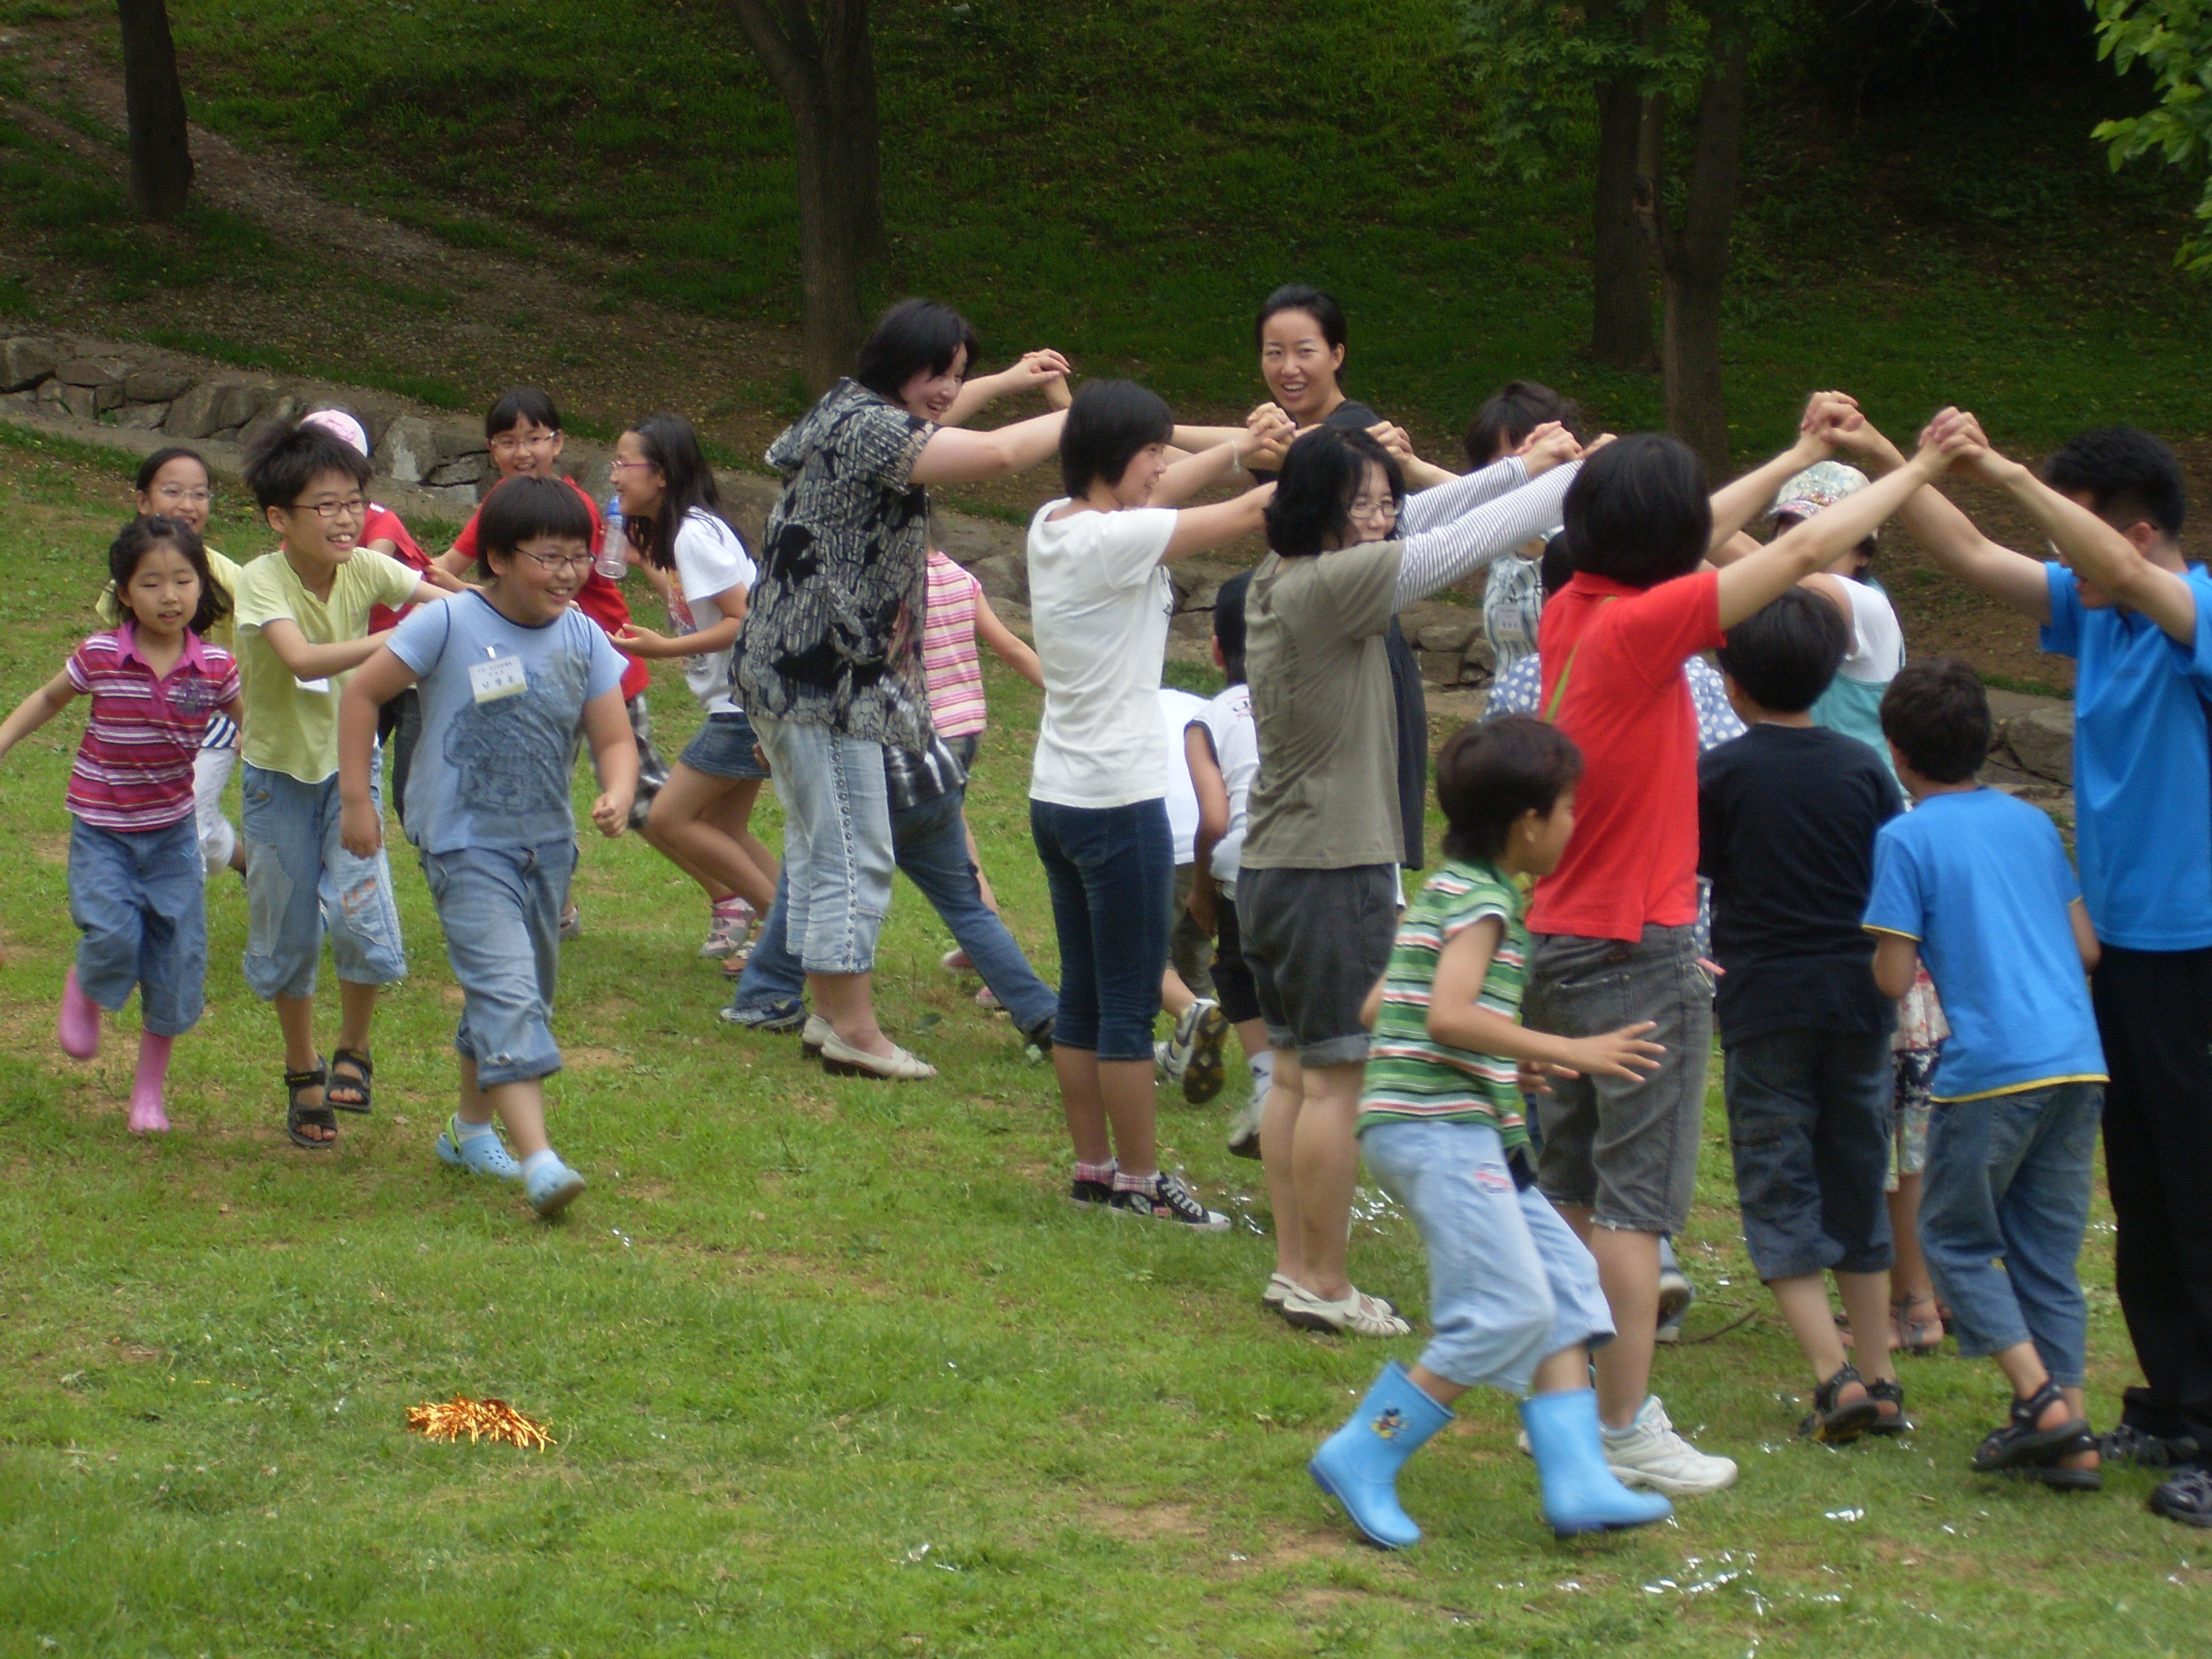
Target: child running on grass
[[302, 625], [137, 889], [1513, 1294], [511, 676]]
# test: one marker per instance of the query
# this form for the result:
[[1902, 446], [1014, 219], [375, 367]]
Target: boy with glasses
[[302, 620]]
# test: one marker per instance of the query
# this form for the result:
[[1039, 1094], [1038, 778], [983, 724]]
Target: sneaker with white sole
[[1649, 1453], [728, 931], [1169, 1199], [572, 924], [767, 1016], [956, 961], [1194, 1053], [841, 1058], [483, 1155], [1245, 1127], [1279, 1286], [1357, 1314]]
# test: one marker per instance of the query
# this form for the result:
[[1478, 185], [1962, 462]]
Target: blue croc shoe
[[552, 1188], [487, 1155]]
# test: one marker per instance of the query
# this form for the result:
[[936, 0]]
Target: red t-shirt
[[383, 524], [1633, 859], [599, 598]]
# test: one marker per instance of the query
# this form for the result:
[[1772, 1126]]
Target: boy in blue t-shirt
[[1978, 884], [512, 676]]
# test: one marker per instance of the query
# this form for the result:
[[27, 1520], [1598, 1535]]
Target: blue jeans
[[2010, 1177], [500, 908], [1111, 870], [836, 842], [298, 876], [1808, 1126], [140, 900], [1509, 1285], [931, 844]]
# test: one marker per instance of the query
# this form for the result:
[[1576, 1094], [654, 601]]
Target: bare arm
[[381, 679], [35, 710], [953, 455], [614, 757], [2012, 579], [646, 643], [1896, 962], [1009, 647], [1212, 791], [304, 661], [2085, 936], [1202, 529], [1035, 368], [455, 562], [1458, 1020]]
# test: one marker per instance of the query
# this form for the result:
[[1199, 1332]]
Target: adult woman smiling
[[829, 660]]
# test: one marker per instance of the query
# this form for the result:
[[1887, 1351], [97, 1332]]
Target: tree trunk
[[160, 153], [1693, 259], [1620, 274], [820, 60]]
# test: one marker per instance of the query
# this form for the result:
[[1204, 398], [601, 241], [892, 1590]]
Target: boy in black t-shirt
[[1787, 817]]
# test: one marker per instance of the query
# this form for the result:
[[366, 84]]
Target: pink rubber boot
[[147, 1117], [80, 1022]]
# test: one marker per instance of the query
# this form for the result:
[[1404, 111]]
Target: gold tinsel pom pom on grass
[[479, 1419]]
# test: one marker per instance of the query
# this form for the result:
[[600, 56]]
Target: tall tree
[[2173, 40], [817, 54], [160, 152]]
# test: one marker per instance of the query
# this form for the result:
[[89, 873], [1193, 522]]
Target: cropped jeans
[[836, 842]]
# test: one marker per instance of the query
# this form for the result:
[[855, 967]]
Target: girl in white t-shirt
[[1100, 600], [702, 819]]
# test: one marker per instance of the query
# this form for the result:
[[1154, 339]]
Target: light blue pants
[[299, 876], [836, 842], [500, 908], [1509, 1285]]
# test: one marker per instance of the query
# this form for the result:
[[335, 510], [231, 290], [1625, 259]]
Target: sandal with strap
[[1920, 1337], [2059, 1477], [298, 1117], [1834, 1425], [2021, 1443], [1889, 1392], [361, 1062]]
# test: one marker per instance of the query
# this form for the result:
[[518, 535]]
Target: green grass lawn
[[832, 1369]]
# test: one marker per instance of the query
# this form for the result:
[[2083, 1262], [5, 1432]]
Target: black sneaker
[[2020, 1443], [2186, 1496], [1169, 1199], [2129, 1444]]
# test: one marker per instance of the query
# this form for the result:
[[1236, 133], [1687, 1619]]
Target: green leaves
[[2173, 40]]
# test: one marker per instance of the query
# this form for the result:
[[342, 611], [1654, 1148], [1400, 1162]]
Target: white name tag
[[502, 677], [321, 686]]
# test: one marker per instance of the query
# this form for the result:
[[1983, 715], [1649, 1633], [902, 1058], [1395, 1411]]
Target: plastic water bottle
[[612, 562]]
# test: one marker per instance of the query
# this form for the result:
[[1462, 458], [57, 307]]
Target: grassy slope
[[798, 1330]]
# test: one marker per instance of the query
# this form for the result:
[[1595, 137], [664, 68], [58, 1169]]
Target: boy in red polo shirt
[[1611, 926]]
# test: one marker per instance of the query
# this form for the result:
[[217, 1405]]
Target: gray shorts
[[1316, 941], [1626, 1151]]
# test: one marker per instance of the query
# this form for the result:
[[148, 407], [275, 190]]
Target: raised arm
[[1736, 503], [304, 661], [1434, 559], [1202, 529], [1009, 647], [1187, 477], [35, 710], [1035, 369], [953, 455], [2014, 579]]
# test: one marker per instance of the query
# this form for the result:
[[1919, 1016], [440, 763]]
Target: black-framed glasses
[[352, 508], [555, 563]]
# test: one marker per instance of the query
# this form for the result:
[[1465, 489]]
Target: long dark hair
[[687, 487], [140, 537]]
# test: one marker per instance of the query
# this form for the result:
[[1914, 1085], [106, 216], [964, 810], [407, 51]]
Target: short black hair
[[1512, 413], [150, 468], [1316, 303], [1639, 511], [521, 509], [1784, 653], [285, 459], [140, 537], [1107, 424], [525, 405], [2128, 476], [1938, 715], [914, 336], [1322, 476], [1229, 624], [1558, 568], [1488, 775]]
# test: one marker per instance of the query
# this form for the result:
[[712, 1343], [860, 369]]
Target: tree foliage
[[2173, 38]]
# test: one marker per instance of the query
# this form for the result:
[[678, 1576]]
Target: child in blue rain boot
[[1513, 1293]]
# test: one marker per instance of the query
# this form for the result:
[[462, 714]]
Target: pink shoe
[[79, 1026], [147, 1116]]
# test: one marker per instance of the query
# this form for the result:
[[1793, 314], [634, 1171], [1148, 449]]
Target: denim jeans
[[500, 908], [931, 844], [2009, 1176], [1111, 870], [1808, 1128], [140, 901], [299, 876], [836, 842], [1509, 1285]]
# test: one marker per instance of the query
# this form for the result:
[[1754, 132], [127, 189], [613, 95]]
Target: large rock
[[275, 413], [25, 362], [1451, 634], [1003, 576], [410, 449], [93, 371], [81, 401], [144, 418], [157, 386], [220, 405], [462, 470], [2042, 742]]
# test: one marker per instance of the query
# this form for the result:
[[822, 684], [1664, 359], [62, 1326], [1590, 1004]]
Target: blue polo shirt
[[1981, 881], [2143, 767]]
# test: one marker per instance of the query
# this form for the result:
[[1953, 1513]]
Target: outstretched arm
[[35, 710], [1736, 504], [1184, 479], [1434, 559], [1034, 370], [2012, 579], [304, 661], [1201, 529], [953, 455]]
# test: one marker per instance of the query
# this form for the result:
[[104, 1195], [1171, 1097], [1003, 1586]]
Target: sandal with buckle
[[361, 1063], [1889, 1392], [2021, 1443], [2060, 1477], [1916, 1336], [1834, 1425], [298, 1117]]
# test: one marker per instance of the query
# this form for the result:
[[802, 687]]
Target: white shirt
[[1178, 710], [1877, 643], [1099, 604], [710, 561], [1236, 735]]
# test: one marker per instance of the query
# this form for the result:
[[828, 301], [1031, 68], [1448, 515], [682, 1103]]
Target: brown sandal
[[1915, 1336]]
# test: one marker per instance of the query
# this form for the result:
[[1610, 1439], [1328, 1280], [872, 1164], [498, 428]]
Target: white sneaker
[[1245, 1127], [726, 931], [1279, 1285], [1357, 1314], [1649, 1453]]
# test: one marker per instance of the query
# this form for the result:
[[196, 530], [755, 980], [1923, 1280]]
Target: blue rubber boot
[[1581, 1494], [1358, 1465]]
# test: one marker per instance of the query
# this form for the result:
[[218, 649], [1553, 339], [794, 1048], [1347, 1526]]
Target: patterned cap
[[1819, 486], [347, 430]]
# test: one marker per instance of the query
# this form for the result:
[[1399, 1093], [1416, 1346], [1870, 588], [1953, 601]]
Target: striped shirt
[[1409, 1074], [948, 648], [134, 769]]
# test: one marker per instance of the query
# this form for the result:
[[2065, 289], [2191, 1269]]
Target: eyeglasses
[[510, 446], [624, 466], [352, 508], [1385, 509], [555, 563], [179, 493]]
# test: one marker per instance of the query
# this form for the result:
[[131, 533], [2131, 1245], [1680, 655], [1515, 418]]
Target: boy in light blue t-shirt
[[511, 677], [1978, 884]]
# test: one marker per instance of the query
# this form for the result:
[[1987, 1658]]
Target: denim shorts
[[1232, 977], [140, 901], [1509, 1285], [723, 748], [1316, 941], [500, 908], [836, 842], [298, 876], [1808, 1126], [1626, 1151], [1111, 873]]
